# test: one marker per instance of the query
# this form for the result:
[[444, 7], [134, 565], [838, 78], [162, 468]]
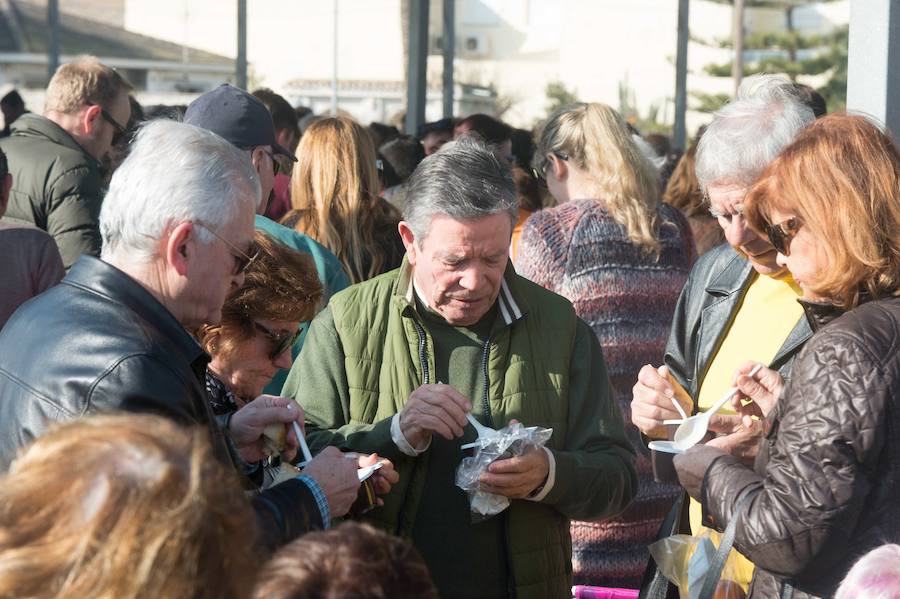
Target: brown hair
[[683, 190], [352, 560], [334, 194], [280, 284], [82, 82], [124, 507], [841, 176]]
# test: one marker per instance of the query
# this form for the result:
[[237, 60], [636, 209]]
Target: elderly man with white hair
[[177, 227], [738, 303]]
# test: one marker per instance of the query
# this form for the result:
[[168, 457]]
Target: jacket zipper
[[422, 358], [485, 405]]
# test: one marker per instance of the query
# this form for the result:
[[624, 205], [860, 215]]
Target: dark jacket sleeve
[[284, 512], [827, 433], [144, 383], [73, 213], [595, 474]]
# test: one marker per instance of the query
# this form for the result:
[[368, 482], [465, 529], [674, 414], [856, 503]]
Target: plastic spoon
[[691, 431], [480, 429]]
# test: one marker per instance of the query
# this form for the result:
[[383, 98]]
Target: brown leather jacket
[[828, 468]]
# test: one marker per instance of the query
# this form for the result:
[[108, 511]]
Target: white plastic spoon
[[691, 431]]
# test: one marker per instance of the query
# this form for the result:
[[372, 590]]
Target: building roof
[[24, 29]]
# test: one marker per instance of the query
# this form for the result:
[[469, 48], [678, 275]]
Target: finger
[[458, 398], [655, 412], [650, 378], [367, 460], [750, 387], [440, 403], [289, 454], [435, 424], [437, 414], [514, 465], [513, 421]]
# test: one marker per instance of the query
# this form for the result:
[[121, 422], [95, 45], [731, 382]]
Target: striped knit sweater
[[578, 251]]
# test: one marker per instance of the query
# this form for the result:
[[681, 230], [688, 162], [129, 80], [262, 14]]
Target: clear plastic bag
[[685, 560], [513, 440]]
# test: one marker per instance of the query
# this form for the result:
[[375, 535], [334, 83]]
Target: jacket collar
[[34, 125], [98, 277], [509, 302], [733, 277]]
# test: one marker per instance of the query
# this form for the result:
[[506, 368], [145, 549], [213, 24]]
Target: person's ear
[[180, 246], [89, 122], [559, 170], [409, 241], [257, 155]]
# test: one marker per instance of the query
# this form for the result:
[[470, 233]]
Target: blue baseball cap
[[237, 116]]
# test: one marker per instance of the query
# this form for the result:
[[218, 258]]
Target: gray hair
[[462, 180], [174, 173], [750, 131]]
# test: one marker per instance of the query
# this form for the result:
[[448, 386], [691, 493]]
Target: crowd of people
[[244, 347]]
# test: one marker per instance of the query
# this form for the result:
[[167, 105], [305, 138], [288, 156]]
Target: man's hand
[[247, 426], [337, 477], [517, 477], [653, 397], [763, 389], [431, 409], [383, 478]]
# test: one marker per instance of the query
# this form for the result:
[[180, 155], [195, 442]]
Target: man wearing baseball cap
[[245, 122]]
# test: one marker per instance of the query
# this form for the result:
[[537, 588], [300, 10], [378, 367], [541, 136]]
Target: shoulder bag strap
[[711, 581]]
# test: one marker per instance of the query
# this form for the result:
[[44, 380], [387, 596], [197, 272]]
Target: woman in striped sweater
[[621, 257]]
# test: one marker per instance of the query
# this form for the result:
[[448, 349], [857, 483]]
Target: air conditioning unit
[[473, 44]]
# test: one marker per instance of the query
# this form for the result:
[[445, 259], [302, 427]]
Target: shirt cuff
[[400, 440], [321, 500], [551, 479]]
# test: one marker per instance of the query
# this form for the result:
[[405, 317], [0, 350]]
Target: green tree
[[558, 95], [790, 52]]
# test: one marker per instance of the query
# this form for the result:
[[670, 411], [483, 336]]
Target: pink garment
[[583, 592], [281, 198]]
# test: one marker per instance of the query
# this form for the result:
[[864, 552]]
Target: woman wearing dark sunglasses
[[260, 324], [827, 478]]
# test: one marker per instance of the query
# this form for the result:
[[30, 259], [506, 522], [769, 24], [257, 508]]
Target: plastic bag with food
[[513, 440], [685, 560]]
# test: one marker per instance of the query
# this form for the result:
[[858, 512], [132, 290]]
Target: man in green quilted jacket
[[396, 363]]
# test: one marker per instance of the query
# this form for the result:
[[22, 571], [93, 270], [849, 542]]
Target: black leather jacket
[[828, 467], [99, 342], [704, 313]]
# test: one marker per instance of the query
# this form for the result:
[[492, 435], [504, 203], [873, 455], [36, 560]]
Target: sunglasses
[[539, 172], [276, 164], [120, 130], [781, 234], [281, 341], [242, 259]]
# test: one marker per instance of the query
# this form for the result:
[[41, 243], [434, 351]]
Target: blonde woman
[[621, 257], [124, 507], [334, 194]]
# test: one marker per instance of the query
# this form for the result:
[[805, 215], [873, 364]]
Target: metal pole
[[418, 62], [873, 70], [53, 24], [241, 66], [334, 59], [737, 65], [449, 49], [679, 132]]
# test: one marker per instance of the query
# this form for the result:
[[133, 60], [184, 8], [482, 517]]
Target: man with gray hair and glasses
[[394, 365], [739, 303], [177, 227]]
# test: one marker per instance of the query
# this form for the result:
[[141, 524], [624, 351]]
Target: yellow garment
[[764, 320]]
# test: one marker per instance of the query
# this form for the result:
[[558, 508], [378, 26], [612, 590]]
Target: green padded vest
[[388, 354]]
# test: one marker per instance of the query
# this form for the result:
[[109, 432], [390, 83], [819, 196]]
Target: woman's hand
[[762, 389]]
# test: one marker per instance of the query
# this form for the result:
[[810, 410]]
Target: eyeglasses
[[242, 259], [539, 172], [120, 130], [781, 234], [281, 341], [276, 164]]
